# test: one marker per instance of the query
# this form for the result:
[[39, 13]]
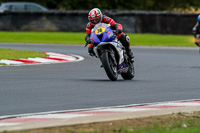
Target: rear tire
[[130, 73], [109, 66]]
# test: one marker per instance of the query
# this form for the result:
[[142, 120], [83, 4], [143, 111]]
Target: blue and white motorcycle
[[111, 53]]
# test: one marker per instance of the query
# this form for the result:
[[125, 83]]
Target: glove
[[119, 31], [87, 39]]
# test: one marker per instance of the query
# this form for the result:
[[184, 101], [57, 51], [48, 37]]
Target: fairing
[[103, 35]]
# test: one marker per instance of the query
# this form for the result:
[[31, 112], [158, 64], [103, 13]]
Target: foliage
[[116, 4]]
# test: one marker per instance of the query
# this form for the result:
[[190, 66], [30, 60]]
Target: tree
[[154, 5]]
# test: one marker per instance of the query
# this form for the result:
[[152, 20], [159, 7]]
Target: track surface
[[161, 75]]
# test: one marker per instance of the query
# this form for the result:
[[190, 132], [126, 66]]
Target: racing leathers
[[196, 32]]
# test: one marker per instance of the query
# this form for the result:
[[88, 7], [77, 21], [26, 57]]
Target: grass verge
[[162, 40], [17, 54], [174, 123], [6, 53], [79, 38]]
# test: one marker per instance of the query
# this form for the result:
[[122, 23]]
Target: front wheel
[[109, 65]]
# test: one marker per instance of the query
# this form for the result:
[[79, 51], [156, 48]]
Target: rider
[[95, 16], [196, 30]]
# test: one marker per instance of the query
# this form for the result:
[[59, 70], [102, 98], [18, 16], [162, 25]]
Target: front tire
[[109, 66]]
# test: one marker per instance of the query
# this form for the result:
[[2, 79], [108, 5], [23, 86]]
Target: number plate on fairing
[[99, 31]]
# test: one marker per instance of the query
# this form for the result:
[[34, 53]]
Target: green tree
[[154, 5]]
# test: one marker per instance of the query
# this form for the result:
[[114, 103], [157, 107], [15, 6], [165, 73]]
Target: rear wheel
[[130, 73], [109, 65]]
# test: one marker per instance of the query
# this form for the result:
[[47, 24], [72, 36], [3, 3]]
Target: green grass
[[162, 40], [17, 54], [43, 37], [158, 129], [79, 38], [164, 130]]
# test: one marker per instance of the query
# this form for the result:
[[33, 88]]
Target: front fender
[[102, 47], [110, 46]]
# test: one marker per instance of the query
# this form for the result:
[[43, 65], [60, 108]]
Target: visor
[[95, 21]]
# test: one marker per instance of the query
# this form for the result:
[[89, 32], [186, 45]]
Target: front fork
[[112, 55]]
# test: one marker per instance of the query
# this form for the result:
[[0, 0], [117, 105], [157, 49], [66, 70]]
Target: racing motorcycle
[[111, 53]]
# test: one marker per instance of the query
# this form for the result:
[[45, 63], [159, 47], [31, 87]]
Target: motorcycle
[[111, 53]]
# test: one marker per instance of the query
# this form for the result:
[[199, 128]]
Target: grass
[[6, 53], [79, 38], [42, 37], [162, 40], [17, 54]]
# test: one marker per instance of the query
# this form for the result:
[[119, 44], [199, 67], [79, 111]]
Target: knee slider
[[124, 38]]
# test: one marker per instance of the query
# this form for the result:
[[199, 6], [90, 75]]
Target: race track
[[161, 75]]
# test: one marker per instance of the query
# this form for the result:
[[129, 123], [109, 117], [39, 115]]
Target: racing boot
[[130, 54]]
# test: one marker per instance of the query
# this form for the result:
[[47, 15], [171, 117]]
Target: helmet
[[198, 18], [95, 16]]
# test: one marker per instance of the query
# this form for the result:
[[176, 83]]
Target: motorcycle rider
[[95, 16], [196, 31]]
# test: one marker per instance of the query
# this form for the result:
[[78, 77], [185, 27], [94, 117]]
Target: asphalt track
[[162, 74]]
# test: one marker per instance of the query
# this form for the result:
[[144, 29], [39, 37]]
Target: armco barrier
[[76, 20]]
